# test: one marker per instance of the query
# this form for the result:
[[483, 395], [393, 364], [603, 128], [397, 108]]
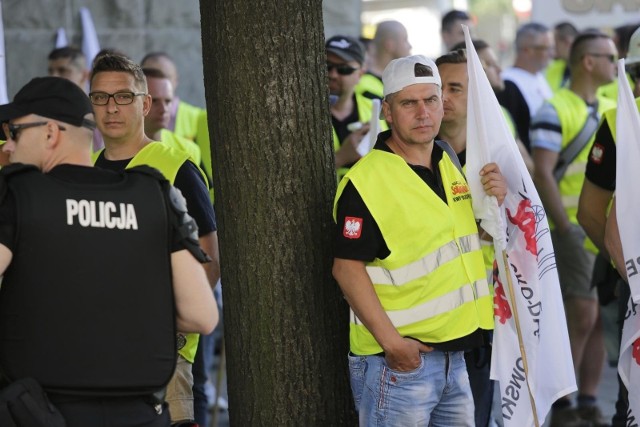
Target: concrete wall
[[134, 27]]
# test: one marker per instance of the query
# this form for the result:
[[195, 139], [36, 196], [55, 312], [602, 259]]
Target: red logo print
[[501, 307], [352, 227], [636, 351], [525, 219]]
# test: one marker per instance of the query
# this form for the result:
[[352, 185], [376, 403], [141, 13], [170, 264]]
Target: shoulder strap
[[444, 145], [571, 151]]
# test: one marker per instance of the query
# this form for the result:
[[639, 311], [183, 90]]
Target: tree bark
[[286, 324]]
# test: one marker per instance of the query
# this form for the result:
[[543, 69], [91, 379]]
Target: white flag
[[4, 98], [61, 38], [627, 206], [531, 356], [90, 43]]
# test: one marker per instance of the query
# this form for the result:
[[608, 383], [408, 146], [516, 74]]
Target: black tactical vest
[[86, 305]]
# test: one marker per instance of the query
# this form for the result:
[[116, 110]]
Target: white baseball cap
[[633, 54], [407, 71]]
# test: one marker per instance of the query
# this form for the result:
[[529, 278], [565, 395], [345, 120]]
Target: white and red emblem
[[352, 227], [597, 152]]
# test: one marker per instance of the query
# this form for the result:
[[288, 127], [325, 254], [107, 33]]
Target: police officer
[[100, 267]]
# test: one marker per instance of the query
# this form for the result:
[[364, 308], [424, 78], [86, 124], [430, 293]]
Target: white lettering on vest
[[101, 214]]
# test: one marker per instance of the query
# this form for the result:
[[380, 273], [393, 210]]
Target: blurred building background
[[136, 27]]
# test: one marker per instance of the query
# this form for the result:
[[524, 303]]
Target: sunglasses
[[11, 130], [342, 69]]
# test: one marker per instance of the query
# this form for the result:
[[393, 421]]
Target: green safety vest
[[370, 86], [168, 161], [183, 144], [554, 73], [433, 284], [572, 113], [611, 118], [365, 107]]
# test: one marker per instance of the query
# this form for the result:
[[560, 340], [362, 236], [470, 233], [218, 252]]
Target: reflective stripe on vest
[[425, 265], [436, 306]]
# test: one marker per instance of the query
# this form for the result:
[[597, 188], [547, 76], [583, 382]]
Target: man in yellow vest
[[345, 60], [391, 41], [557, 72], [157, 121], [560, 136], [595, 199], [186, 120], [409, 263], [120, 100]]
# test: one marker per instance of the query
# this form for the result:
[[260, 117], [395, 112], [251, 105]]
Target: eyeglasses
[[611, 57], [120, 98], [342, 69], [11, 130]]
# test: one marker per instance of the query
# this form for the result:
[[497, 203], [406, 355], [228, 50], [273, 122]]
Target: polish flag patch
[[352, 227]]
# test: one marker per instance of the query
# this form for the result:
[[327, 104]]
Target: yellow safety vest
[[370, 85], [168, 161], [611, 118], [432, 285], [555, 73], [572, 113], [183, 144]]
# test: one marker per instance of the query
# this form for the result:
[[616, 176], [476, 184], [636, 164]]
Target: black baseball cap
[[51, 97], [346, 48]]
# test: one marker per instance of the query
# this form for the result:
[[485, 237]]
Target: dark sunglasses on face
[[342, 69], [11, 130]]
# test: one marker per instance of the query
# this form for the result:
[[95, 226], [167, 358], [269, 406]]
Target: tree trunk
[[286, 324]]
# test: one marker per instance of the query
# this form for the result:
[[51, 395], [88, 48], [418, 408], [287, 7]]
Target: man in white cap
[[409, 263]]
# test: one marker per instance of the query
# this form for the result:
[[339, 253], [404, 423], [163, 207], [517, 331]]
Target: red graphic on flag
[[636, 351], [500, 304], [525, 219], [352, 227]]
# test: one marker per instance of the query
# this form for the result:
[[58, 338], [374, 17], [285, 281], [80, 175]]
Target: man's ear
[[146, 105]]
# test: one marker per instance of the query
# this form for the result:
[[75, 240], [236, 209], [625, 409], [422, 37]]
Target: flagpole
[[514, 308]]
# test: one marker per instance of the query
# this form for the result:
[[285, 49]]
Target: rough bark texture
[[285, 321]]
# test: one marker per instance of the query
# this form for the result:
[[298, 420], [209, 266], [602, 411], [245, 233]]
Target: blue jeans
[[437, 393]]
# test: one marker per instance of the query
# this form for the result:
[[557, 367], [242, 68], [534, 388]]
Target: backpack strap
[[571, 151]]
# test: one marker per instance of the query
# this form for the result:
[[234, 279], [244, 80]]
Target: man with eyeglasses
[[595, 200], [526, 88], [120, 101], [351, 112], [561, 135], [76, 320]]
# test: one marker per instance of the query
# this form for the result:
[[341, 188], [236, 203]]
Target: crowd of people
[[125, 170], [412, 331]]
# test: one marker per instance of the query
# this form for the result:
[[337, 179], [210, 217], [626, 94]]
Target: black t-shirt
[[191, 184], [340, 126], [70, 174], [371, 244], [601, 166], [511, 98]]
